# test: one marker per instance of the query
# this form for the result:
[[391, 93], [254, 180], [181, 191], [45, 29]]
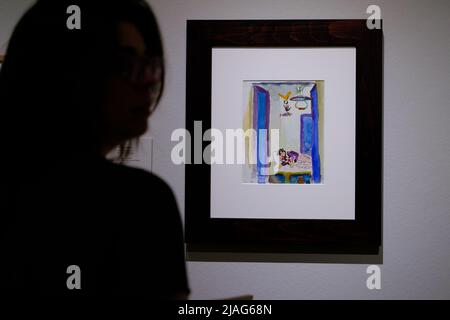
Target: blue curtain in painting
[[261, 119]]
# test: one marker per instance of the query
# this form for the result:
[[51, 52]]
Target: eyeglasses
[[139, 70]]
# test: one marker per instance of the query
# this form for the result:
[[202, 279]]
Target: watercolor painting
[[295, 154]]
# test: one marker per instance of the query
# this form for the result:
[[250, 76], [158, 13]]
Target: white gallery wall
[[416, 218]]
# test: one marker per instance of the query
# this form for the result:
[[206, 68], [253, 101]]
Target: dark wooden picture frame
[[361, 235]]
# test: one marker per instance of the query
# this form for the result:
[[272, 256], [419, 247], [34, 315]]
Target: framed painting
[[300, 104]]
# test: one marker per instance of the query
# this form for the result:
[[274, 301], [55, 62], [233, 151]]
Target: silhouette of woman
[[68, 97]]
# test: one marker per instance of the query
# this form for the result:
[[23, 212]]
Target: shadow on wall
[[201, 254]]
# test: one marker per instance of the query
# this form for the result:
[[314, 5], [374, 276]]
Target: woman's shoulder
[[140, 192], [135, 180], [131, 173]]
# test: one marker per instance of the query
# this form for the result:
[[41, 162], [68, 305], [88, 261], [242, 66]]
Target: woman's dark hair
[[52, 77]]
